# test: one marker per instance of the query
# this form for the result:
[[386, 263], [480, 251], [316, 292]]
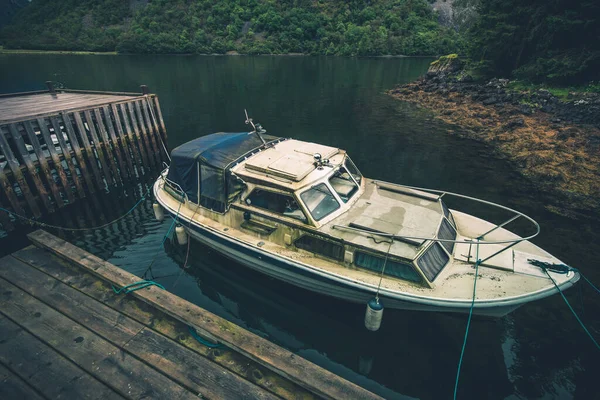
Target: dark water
[[537, 352]]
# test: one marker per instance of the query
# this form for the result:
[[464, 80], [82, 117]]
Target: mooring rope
[[563, 269], [132, 287], [202, 340], [45, 225], [163, 243], [462, 352]]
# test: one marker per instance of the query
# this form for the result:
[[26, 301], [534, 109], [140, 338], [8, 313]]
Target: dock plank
[[99, 149], [13, 387], [89, 151], [158, 321], [58, 133], [293, 367], [12, 108], [44, 369], [124, 373], [106, 144]]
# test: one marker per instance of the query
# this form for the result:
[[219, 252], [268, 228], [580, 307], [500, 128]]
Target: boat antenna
[[258, 129]]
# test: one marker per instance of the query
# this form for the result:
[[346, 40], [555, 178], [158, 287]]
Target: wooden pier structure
[[65, 333], [58, 146]]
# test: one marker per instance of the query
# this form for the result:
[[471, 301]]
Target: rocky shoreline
[[555, 144]]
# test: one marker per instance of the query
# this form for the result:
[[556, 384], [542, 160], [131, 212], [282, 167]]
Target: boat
[[303, 213]]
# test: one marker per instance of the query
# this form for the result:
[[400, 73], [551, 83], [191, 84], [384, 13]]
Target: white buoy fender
[[182, 236], [373, 315], [159, 213]]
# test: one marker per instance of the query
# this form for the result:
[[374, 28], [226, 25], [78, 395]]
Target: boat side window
[[350, 167], [320, 201], [276, 202], [433, 261], [343, 184], [447, 232], [321, 247], [394, 268], [447, 213]]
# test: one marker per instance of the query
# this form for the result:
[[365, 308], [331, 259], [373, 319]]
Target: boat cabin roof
[[289, 164]]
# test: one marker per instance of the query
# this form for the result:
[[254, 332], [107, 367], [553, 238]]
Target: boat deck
[[64, 333]]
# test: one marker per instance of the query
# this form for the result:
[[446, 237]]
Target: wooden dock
[[106, 139], [64, 333]]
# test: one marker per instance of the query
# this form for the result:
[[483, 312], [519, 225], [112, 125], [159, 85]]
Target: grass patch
[[562, 92]]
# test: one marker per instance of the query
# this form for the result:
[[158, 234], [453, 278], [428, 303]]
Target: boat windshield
[[343, 184], [351, 168], [320, 201]]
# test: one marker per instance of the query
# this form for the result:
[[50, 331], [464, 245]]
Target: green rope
[[462, 352], [162, 244], [560, 269], [132, 287], [202, 340], [45, 225], [571, 308]]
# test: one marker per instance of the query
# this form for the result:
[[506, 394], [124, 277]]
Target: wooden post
[[55, 159], [77, 150], [89, 151], [116, 145], [5, 220], [151, 136], [37, 148], [33, 173], [67, 154], [141, 131], [15, 168], [10, 194], [161, 121], [130, 136], [99, 149], [106, 144]]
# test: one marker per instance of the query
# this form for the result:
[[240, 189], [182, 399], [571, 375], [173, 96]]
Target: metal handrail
[[480, 239]]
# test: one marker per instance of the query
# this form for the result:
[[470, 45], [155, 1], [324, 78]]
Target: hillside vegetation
[[331, 27]]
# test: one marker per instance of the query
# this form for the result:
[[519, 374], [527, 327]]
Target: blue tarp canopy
[[200, 167]]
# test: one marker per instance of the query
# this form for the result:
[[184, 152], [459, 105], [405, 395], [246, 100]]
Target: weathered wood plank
[[153, 120], [55, 159], [68, 159], [162, 122], [37, 148], [89, 151], [99, 146], [131, 138], [116, 146], [68, 124], [106, 145], [122, 138], [88, 312], [148, 161], [33, 173], [142, 136], [151, 132], [5, 222], [13, 387], [112, 366], [10, 194], [304, 373], [190, 369], [146, 314], [147, 134], [44, 369], [13, 165]]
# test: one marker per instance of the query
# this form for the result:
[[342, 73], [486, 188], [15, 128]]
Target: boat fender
[[373, 315], [159, 213], [182, 237]]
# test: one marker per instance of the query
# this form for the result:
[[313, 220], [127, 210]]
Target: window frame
[[322, 239], [333, 194], [397, 260], [281, 193]]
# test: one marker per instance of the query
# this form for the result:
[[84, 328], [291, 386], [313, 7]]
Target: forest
[[537, 40]]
